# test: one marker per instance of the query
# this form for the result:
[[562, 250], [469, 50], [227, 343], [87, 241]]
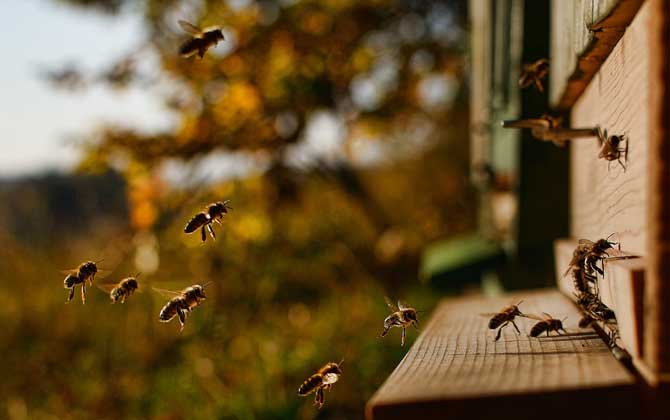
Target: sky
[[36, 119]]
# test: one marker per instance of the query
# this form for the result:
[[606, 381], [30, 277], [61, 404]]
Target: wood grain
[[611, 200], [456, 370]]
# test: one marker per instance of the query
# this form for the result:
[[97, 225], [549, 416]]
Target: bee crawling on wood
[[612, 150], [323, 379], [402, 317], [84, 273], [181, 303], [506, 316], [122, 290], [205, 218], [533, 74], [201, 41], [588, 253], [546, 324]]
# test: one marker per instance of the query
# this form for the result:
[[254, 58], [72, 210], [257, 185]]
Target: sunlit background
[[338, 130]]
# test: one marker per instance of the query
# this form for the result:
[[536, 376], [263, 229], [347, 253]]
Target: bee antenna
[[520, 302], [207, 284], [138, 274], [612, 234]]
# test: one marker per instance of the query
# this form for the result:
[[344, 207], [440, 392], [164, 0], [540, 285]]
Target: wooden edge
[[621, 289], [606, 33]]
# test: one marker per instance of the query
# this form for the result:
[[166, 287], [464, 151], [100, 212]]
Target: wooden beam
[[456, 370], [604, 35], [657, 295]]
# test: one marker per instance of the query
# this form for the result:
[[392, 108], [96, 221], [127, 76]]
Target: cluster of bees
[[548, 127]]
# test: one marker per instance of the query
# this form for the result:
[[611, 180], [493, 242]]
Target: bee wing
[[169, 294], [190, 28], [585, 242], [488, 314], [547, 316], [107, 287], [533, 316], [211, 28], [390, 304], [70, 271]]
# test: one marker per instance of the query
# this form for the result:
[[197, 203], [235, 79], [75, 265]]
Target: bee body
[[323, 379], [501, 319], [403, 317], [85, 272], [611, 149], [533, 74], [200, 41], [205, 218], [182, 304], [547, 325], [125, 288]]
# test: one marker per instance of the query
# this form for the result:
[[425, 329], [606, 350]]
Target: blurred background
[[338, 129]]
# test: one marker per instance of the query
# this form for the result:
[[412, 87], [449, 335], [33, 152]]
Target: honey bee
[[80, 275], [323, 379], [506, 316], [201, 41], [534, 73], [546, 324], [402, 317], [205, 218], [122, 290], [611, 149], [588, 253], [181, 303]]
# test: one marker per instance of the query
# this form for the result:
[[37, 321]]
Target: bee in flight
[[546, 324], [80, 275], [506, 316], [121, 290], [612, 150], [205, 218], [534, 73], [402, 317], [201, 41], [323, 379], [181, 303]]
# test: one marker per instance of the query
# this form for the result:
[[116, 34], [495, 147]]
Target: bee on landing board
[[80, 275], [201, 41], [121, 290], [533, 74], [402, 317], [506, 316], [323, 379], [546, 324], [588, 253], [612, 150], [181, 303], [205, 218]]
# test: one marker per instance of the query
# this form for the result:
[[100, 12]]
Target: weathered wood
[[456, 370], [605, 199], [657, 285], [621, 289], [583, 35]]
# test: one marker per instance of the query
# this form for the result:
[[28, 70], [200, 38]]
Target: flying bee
[[85, 272], [205, 218], [546, 324], [121, 290], [534, 73], [611, 149], [181, 303], [506, 316], [402, 317], [201, 41], [323, 379]]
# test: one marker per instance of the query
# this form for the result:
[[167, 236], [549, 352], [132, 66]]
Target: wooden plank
[[455, 369], [657, 289], [583, 35], [611, 200], [621, 289]]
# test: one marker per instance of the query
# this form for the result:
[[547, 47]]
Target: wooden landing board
[[455, 370]]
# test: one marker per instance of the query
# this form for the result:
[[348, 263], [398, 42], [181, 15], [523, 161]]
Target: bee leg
[[211, 231], [182, 319], [621, 163], [83, 293], [538, 85], [71, 295], [319, 398], [402, 337], [203, 235], [516, 328], [500, 331]]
